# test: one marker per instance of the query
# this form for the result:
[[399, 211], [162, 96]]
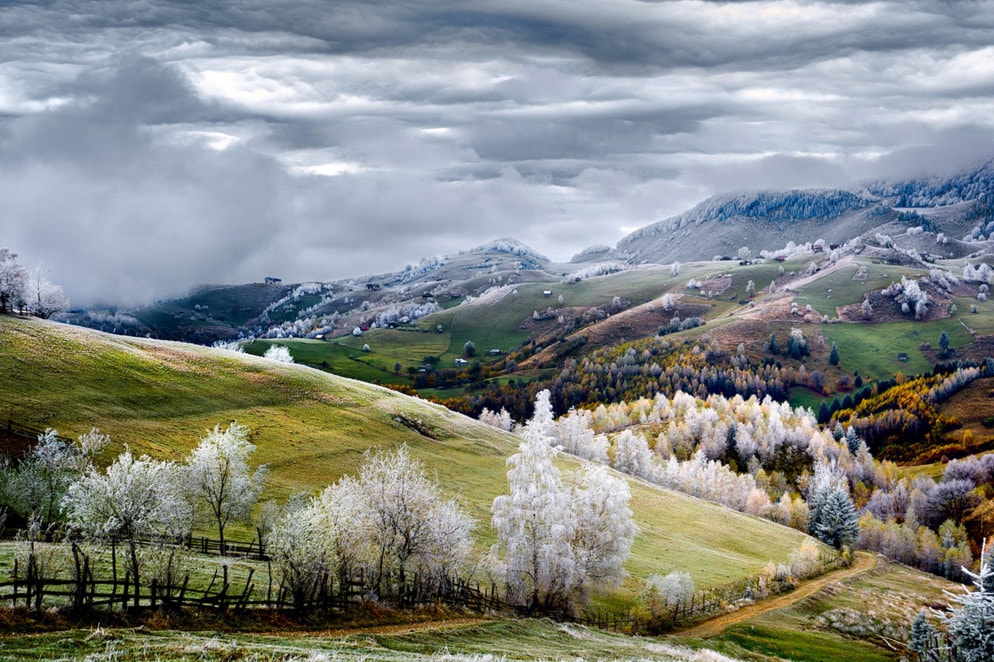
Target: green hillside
[[311, 427]]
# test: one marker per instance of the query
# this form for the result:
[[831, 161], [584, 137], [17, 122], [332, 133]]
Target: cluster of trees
[[560, 538], [768, 459], [58, 486], [388, 523], [28, 292], [900, 418]]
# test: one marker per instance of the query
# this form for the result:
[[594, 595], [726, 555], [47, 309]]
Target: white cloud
[[175, 143]]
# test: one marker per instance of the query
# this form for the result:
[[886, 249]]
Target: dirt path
[[864, 563]]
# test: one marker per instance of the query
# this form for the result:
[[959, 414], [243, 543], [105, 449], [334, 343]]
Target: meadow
[[310, 427]]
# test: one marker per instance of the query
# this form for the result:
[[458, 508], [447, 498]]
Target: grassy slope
[[856, 620], [311, 427], [468, 640]]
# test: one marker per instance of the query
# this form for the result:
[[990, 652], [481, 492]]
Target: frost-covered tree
[[575, 436], [500, 420], [558, 541], [279, 353], [750, 288], [133, 499], [604, 530], [298, 548], [411, 526], [675, 270], [534, 527], [220, 483], [632, 455], [44, 299], [672, 589], [37, 485], [13, 281], [971, 624], [837, 523]]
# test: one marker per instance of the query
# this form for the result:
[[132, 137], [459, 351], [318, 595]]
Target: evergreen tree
[[944, 341], [971, 626], [772, 346], [833, 357], [836, 523], [922, 636]]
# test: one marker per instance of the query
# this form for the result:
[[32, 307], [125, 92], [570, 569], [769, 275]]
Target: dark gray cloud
[[150, 145]]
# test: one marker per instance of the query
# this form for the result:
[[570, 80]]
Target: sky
[[147, 146]]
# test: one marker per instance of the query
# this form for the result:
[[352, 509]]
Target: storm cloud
[[149, 146]]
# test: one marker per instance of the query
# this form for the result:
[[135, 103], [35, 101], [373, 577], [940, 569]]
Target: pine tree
[[772, 346], [833, 357], [971, 626], [836, 523], [922, 636]]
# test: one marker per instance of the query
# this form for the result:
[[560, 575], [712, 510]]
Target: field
[[873, 348], [311, 427], [839, 288]]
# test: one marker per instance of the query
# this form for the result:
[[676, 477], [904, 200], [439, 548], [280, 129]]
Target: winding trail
[[864, 563]]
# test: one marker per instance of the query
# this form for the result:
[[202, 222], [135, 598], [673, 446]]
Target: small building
[[272, 280], [902, 357], [461, 362], [496, 352], [373, 287], [833, 247], [547, 293], [817, 248], [781, 258]]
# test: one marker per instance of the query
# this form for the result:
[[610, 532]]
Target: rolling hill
[[310, 427]]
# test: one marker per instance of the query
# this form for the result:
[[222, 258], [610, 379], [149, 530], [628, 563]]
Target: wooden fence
[[29, 587]]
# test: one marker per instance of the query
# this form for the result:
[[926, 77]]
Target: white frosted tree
[[133, 499], [278, 353], [575, 436], [297, 546], [13, 281], [38, 483], [971, 624], [411, 526], [632, 455], [500, 420], [535, 528], [44, 299], [219, 480], [603, 533], [553, 535]]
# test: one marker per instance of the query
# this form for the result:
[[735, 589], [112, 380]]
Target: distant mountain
[[959, 206]]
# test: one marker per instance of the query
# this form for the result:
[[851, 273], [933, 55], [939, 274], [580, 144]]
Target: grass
[[479, 640], [338, 358], [860, 622], [873, 348], [838, 288], [981, 321], [311, 428]]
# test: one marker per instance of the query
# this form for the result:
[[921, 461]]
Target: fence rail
[[29, 587]]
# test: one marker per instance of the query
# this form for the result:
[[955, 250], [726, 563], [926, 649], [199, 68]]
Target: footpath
[[864, 563]]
